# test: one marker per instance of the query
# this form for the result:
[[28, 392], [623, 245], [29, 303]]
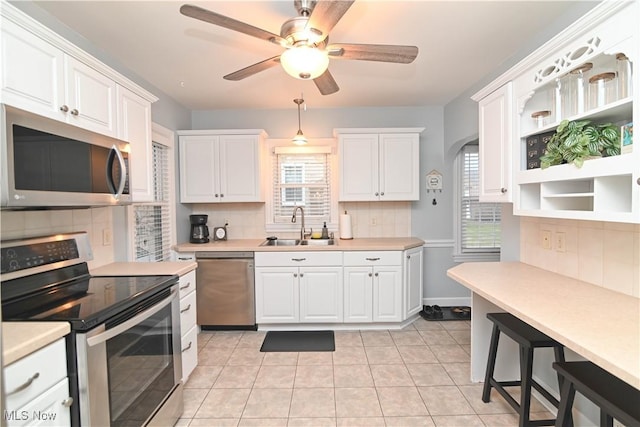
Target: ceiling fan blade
[[253, 69], [224, 21], [373, 52], [326, 84], [326, 14]]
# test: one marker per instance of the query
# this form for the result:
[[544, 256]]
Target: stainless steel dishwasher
[[225, 293]]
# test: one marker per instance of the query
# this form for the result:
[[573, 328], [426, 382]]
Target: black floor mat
[[292, 341], [458, 312]]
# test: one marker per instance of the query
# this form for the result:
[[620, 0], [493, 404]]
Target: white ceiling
[[459, 42]]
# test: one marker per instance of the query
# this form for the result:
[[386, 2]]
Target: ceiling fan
[[305, 38]]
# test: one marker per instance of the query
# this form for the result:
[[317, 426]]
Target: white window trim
[[166, 137], [458, 255], [287, 145]]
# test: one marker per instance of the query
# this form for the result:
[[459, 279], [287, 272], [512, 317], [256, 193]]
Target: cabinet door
[[399, 166], [387, 294], [134, 126], [189, 352], [50, 408], [239, 168], [359, 169], [277, 295], [413, 281], [90, 97], [358, 294], [32, 72], [495, 124], [321, 294], [198, 181]]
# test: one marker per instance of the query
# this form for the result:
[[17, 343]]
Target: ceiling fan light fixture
[[304, 62]]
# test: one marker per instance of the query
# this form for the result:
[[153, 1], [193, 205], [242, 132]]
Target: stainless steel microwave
[[49, 164]]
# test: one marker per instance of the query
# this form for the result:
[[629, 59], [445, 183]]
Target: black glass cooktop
[[84, 301]]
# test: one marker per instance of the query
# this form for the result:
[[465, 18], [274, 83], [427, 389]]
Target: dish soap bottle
[[325, 231]]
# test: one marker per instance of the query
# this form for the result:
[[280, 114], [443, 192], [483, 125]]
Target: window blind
[[301, 179], [480, 222], [153, 220]]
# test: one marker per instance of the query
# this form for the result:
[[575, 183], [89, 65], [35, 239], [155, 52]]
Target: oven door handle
[[110, 333]]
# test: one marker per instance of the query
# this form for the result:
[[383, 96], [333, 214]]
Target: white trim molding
[[439, 243]]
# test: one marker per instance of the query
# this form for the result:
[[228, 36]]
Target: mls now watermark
[[30, 415]]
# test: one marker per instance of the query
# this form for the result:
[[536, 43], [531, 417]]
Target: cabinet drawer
[[187, 283], [187, 312], [189, 352], [46, 366], [48, 409], [301, 258], [373, 258]]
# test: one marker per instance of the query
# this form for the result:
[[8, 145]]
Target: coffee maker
[[199, 229]]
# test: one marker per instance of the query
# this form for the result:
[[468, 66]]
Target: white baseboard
[[448, 302]]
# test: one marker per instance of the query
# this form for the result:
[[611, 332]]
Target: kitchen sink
[[318, 242], [280, 242]]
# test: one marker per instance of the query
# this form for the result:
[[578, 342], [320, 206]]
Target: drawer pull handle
[[185, 258], [67, 402], [74, 112], [370, 274], [25, 385], [298, 259], [186, 309], [185, 286], [64, 108], [187, 347], [376, 274], [372, 259]]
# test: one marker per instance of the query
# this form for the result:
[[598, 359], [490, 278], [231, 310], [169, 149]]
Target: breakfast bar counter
[[600, 325]]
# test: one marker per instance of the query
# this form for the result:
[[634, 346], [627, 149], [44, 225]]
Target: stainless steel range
[[123, 353]]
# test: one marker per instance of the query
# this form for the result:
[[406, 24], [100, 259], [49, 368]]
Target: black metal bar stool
[[528, 338], [616, 398]]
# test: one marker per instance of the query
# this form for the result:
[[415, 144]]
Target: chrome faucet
[[294, 218]]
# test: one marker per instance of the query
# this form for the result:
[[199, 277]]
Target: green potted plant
[[576, 141]]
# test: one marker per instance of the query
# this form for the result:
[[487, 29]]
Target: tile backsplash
[[21, 224], [606, 254], [369, 219]]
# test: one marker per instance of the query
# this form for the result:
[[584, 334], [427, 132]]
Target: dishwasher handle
[[224, 255]]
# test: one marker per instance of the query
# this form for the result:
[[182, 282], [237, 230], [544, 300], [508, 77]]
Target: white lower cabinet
[[413, 281], [320, 294], [188, 327], [37, 388], [338, 287], [277, 295], [373, 286], [298, 287]]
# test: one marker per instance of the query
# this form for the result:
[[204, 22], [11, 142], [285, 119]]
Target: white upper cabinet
[[134, 126], [379, 164], [496, 135], [220, 166], [41, 78], [32, 72], [574, 77]]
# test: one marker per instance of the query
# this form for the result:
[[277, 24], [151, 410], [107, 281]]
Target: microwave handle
[[123, 171], [110, 333]]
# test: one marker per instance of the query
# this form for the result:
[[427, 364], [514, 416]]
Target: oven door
[[130, 368]]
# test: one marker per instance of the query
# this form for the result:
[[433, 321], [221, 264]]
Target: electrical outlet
[[374, 220], [560, 242], [107, 237], [546, 239]]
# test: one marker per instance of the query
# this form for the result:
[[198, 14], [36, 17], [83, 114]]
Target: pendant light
[[299, 139]]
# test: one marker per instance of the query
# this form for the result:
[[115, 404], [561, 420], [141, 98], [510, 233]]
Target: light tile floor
[[418, 376]]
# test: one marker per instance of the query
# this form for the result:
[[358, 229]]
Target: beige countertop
[[20, 339], [145, 268], [253, 245], [601, 325]]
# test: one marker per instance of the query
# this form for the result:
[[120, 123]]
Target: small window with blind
[[301, 177], [152, 236], [478, 224]]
